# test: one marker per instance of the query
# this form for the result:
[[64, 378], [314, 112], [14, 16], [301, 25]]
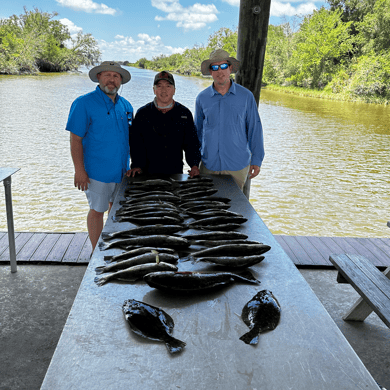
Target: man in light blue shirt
[[99, 123], [228, 123]]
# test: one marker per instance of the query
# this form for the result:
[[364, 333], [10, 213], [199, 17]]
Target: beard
[[108, 90]]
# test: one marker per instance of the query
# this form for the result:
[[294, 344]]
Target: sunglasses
[[216, 67]]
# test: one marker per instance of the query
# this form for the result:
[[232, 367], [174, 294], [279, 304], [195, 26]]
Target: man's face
[[109, 82], [221, 76], [164, 92]]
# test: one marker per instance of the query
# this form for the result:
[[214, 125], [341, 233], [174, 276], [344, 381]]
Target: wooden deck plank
[[45, 247], [4, 243], [299, 252], [60, 247], [375, 248], [312, 250], [31, 246], [332, 246], [365, 251], [20, 240], [345, 245], [86, 252], [286, 248], [75, 247]]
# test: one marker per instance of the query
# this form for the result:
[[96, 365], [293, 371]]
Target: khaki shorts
[[100, 194], [239, 177]]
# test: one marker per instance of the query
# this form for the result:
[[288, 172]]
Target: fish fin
[[251, 337], [106, 236], [108, 258], [245, 275], [187, 258], [100, 270], [103, 246], [101, 281], [174, 345]]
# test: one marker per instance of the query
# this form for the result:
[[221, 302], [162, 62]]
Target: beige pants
[[239, 177]]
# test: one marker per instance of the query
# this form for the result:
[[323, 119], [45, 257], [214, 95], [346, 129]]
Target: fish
[[206, 206], [145, 193], [193, 179], [213, 213], [223, 242], [232, 262], [216, 221], [149, 220], [224, 227], [152, 182], [153, 215], [216, 236], [136, 252], [195, 281], [191, 189], [151, 240], [192, 203], [135, 272], [146, 207], [149, 257], [213, 198], [197, 194], [167, 198], [148, 203], [152, 323], [143, 231], [195, 184], [233, 250], [260, 314]]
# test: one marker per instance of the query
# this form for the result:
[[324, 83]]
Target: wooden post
[[252, 40]]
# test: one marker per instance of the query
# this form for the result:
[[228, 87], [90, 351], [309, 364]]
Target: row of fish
[[260, 314], [159, 209]]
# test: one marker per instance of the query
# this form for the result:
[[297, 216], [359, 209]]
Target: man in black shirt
[[161, 131]]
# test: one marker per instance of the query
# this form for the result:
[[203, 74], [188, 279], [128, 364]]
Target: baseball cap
[[164, 75]]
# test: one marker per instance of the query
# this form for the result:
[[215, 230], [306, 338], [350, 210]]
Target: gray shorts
[[100, 194]]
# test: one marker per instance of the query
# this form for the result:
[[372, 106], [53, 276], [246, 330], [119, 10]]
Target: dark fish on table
[[192, 189], [217, 221], [195, 184], [143, 231], [206, 206], [149, 257], [166, 198], [260, 314], [149, 220], [192, 203], [150, 214], [196, 281], [136, 252], [213, 198], [233, 250], [152, 183], [161, 240], [135, 272], [224, 227], [231, 262], [198, 194], [223, 242], [127, 209], [216, 236], [146, 193], [213, 213], [194, 179], [152, 323]]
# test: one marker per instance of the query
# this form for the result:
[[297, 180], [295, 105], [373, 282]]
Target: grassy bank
[[327, 94]]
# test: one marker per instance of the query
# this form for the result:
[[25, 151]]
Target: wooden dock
[[304, 251]]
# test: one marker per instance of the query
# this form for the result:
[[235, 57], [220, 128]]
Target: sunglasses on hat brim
[[216, 67]]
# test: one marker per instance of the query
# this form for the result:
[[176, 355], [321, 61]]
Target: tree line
[[342, 51], [33, 42]]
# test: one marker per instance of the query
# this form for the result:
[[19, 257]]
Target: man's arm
[[81, 178]]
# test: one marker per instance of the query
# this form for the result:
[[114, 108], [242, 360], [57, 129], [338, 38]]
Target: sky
[[127, 30]]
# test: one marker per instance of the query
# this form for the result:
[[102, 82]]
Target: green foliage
[[34, 42]]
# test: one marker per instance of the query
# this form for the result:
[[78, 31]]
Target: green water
[[325, 173]]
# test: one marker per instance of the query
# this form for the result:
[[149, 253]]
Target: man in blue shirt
[[228, 123], [99, 123]]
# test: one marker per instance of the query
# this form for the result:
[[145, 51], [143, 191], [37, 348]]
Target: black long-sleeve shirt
[[157, 140]]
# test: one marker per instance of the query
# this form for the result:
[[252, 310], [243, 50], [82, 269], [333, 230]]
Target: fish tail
[[102, 280], [251, 337], [174, 345], [106, 235], [100, 270], [103, 246], [108, 259]]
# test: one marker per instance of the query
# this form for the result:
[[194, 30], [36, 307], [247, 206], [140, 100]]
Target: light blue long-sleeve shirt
[[229, 129]]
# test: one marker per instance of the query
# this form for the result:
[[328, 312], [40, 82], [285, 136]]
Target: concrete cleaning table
[[5, 177], [306, 351]]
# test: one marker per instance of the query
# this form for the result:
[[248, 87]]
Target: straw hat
[[217, 56], [110, 66]]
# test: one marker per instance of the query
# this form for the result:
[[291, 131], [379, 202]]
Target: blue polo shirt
[[229, 129], [104, 127]]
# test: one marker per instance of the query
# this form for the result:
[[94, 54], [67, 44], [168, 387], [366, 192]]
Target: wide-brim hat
[[217, 56], [109, 66]]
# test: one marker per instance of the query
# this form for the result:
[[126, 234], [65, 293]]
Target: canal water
[[326, 170]]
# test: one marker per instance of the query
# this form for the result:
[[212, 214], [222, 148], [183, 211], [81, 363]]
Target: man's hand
[[81, 180], [254, 170], [133, 171], [194, 171]]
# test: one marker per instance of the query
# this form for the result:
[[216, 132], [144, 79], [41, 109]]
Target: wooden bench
[[372, 285]]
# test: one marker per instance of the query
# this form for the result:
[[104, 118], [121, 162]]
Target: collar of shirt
[[106, 98], [232, 89]]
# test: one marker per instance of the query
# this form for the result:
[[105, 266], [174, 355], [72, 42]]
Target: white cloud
[[87, 6], [130, 49], [194, 17], [284, 7], [72, 28]]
